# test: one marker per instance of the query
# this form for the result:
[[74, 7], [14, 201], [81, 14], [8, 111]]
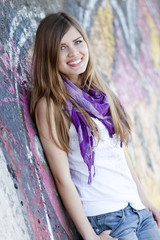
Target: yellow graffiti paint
[[155, 40], [102, 39]]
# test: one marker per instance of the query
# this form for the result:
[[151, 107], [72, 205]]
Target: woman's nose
[[72, 51]]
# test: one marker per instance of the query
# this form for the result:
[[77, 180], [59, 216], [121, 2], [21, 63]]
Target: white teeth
[[75, 62]]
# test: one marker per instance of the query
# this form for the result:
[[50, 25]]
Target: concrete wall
[[125, 37]]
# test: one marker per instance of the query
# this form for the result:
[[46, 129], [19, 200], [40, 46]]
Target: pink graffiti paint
[[58, 235], [46, 178], [146, 59], [9, 65], [17, 55], [6, 100], [2, 84], [0, 46], [126, 78], [10, 143], [10, 88], [154, 11], [49, 186], [3, 139], [40, 231]]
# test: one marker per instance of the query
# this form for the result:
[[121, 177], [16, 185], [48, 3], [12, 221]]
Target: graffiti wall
[[127, 52], [125, 37]]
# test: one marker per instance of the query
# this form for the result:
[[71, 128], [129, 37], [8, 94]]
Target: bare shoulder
[[47, 119], [42, 106], [42, 109], [42, 103], [43, 114]]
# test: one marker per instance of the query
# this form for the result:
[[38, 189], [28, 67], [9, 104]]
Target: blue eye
[[63, 47], [78, 42]]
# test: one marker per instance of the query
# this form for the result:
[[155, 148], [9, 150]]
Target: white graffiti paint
[[12, 222], [122, 18], [85, 17], [30, 157]]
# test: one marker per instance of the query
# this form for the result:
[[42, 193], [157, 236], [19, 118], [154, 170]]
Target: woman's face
[[74, 55]]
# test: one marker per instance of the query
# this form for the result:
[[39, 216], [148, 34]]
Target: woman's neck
[[78, 81]]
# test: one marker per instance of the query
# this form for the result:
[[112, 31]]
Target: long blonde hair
[[47, 81]]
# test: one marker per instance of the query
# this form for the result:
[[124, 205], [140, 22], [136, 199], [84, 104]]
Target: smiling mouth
[[75, 63]]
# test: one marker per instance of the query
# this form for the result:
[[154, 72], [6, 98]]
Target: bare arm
[[58, 162], [143, 195]]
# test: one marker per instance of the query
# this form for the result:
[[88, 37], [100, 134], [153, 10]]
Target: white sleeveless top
[[113, 187]]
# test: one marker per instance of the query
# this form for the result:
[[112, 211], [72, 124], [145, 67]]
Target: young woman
[[83, 127]]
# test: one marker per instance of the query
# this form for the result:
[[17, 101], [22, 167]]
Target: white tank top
[[113, 187]]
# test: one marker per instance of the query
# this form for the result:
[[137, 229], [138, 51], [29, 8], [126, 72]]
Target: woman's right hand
[[105, 235]]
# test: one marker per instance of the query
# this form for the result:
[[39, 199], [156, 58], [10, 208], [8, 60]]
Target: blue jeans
[[127, 224]]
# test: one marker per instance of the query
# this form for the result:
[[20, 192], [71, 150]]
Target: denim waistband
[[128, 210]]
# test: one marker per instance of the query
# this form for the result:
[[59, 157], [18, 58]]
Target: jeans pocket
[[98, 226], [115, 227], [108, 221]]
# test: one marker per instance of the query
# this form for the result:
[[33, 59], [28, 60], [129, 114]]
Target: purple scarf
[[96, 104]]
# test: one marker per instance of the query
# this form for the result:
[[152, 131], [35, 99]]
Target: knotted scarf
[[96, 104]]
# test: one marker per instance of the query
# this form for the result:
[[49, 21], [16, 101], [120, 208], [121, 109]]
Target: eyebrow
[[73, 40]]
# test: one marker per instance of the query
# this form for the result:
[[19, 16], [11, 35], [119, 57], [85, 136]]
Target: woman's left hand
[[155, 213]]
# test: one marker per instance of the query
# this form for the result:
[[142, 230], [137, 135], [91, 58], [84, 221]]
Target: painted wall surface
[[125, 37]]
